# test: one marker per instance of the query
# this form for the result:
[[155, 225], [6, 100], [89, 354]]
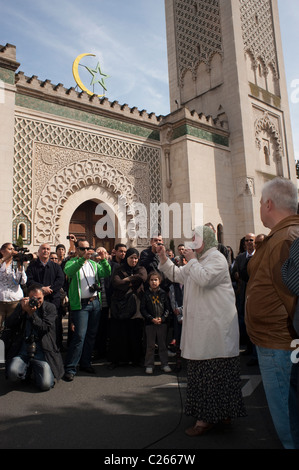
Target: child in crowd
[[155, 309]]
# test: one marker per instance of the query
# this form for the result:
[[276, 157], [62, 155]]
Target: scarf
[[208, 236]]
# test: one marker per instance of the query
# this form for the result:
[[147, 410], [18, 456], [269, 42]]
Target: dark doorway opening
[[83, 223]]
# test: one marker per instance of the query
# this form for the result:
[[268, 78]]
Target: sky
[[128, 38]]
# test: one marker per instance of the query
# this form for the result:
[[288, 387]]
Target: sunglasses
[[53, 258], [83, 248], [249, 240]]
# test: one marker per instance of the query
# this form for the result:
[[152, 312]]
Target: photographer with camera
[[12, 277], [50, 276], [30, 341], [149, 259], [84, 295]]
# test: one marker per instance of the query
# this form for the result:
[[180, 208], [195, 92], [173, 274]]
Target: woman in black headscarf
[[127, 324]]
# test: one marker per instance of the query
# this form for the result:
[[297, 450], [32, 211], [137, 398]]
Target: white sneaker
[[166, 369], [149, 370]]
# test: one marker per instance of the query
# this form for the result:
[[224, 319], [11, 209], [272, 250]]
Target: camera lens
[[33, 302]]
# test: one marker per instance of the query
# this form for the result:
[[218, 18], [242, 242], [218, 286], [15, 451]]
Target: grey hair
[[283, 193]]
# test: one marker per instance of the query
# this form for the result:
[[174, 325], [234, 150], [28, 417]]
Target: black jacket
[[290, 276], [240, 267], [123, 300], [150, 261], [137, 277], [153, 305], [49, 275], [44, 322]]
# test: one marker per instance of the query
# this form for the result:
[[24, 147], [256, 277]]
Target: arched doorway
[[83, 222]]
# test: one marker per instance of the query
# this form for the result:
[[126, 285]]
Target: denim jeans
[[275, 366], [86, 322], [43, 375]]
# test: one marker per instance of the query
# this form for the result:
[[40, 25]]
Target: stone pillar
[[8, 66]]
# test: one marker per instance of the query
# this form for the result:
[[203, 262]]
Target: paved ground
[[125, 409]]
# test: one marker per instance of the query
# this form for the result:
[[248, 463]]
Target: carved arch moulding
[[265, 124], [53, 188]]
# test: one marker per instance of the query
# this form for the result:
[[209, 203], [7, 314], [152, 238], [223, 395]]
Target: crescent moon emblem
[[77, 76]]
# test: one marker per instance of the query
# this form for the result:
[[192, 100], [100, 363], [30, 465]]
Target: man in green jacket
[[85, 306]]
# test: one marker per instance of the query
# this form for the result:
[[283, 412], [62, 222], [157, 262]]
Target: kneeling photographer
[[30, 341]]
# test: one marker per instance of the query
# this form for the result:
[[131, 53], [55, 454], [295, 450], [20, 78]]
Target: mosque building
[[73, 162]]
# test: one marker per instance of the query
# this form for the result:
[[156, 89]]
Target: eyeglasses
[[249, 240], [83, 248]]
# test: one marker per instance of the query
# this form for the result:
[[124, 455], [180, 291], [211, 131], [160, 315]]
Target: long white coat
[[210, 322]]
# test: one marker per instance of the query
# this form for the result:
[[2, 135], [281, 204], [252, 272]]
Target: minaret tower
[[225, 60]]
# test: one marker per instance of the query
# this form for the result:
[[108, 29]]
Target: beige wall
[[201, 173]]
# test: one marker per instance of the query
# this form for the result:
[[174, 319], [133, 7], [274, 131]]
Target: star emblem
[[94, 73]]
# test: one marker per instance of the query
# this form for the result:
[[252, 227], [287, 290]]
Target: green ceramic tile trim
[[70, 113], [7, 76], [186, 129]]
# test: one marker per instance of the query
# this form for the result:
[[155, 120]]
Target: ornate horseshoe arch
[[265, 124], [72, 185]]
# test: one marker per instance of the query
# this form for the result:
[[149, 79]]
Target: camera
[[33, 302], [22, 255], [31, 346], [95, 288]]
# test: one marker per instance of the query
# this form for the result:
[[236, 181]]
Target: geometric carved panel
[[198, 33], [53, 186], [45, 150], [258, 32]]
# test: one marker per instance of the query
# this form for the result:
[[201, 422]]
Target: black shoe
[[252, 362], [113, 365], [68, 377], [137, 364], [88, 369]]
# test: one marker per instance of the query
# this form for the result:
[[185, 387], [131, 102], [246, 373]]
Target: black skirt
[[214, 390]]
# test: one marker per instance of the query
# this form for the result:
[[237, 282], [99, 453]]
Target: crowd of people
[[203, 304]]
